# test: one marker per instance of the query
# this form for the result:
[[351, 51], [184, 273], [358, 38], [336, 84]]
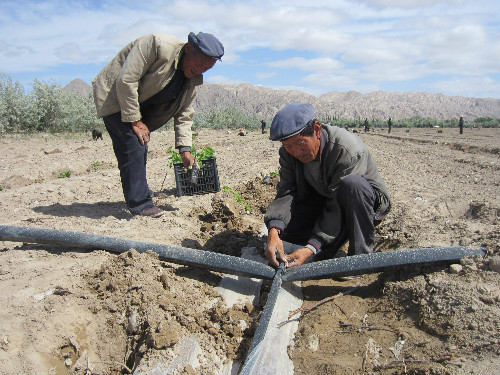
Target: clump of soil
[[149, 305]]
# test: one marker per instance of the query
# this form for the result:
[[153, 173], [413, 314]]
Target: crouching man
[[329, 192]]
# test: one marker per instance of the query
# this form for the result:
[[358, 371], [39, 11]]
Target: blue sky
[[450, 47]]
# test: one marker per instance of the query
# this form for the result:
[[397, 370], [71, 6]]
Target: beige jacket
[[139, 71]]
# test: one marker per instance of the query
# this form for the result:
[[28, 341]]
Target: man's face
[[195, 62], [304, 148]]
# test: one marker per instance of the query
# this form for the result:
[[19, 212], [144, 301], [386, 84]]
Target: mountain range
[[264, 102]]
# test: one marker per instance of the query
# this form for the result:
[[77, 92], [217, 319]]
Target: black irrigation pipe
[[265, 318], [367, 263], [174, 254], [353, 265]]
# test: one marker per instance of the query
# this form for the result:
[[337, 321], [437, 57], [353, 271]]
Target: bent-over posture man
[[329, 192], [151, 80]]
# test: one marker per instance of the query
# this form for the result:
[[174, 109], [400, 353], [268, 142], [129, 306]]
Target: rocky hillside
[[78, 86], [265, 102]]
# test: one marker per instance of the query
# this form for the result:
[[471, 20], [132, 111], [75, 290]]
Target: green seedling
[[205, 153], [238, 197], [65, 174], [274, 173]]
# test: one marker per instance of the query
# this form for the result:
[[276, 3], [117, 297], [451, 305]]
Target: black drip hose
[[174, 254], [353, 265], [367, 263]]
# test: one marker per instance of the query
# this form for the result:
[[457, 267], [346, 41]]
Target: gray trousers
[[358, 202]]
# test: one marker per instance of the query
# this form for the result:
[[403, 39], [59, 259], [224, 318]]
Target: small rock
[[455, 268], [190, 370], [82, 363], [313, 342], [494, 263], [133, 322]]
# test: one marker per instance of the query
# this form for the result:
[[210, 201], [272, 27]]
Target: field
[[68, 310]]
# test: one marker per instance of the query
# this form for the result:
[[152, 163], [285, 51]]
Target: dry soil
[[73, 311]]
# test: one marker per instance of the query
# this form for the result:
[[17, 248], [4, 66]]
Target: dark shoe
[[152, 211]]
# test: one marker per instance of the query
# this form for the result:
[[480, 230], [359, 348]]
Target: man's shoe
[[152, 211]]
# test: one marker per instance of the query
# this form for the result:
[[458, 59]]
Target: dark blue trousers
[[132, 158], [358, 202]]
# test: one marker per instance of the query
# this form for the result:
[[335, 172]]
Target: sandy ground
[[73, 311]]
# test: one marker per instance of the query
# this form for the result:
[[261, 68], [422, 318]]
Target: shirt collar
[[321, 146]]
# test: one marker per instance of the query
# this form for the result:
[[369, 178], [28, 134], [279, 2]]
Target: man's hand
[[141, 131], [274, 248], [298, 257], [187, 159]]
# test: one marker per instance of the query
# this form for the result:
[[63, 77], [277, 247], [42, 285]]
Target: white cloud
[[467, 86], [409, 4], [323, 64], [339, 82], [365, 43], [220, 79]]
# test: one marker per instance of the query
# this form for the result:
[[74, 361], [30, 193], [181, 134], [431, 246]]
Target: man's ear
[[317, 128], [188, 49]]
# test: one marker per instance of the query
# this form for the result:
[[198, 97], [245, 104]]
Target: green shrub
[[228, 118], [47, 108]]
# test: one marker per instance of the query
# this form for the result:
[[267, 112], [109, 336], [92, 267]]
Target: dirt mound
[[444, 306], [148, 312]]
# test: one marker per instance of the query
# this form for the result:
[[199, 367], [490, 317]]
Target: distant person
[[151, 80], [263, 126], [329, 191], [367, 126], [389, 124], [461, 124]]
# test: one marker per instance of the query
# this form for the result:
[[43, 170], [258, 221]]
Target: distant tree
[[45, 106], [14, 105]]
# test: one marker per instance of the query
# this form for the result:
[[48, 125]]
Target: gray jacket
[[139, 71], [343, 154]]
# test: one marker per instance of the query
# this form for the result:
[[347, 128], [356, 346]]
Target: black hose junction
[[352, 265]]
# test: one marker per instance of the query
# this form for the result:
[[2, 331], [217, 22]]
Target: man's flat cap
[[291, 120], [207, 43]]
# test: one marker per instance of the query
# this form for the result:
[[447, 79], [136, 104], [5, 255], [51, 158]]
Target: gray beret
[[207, 43], [291, 120]]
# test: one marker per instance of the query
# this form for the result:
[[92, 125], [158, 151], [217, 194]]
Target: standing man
[[151, 80], [461, 124], [389, 124], [329, 192], [263, 126]]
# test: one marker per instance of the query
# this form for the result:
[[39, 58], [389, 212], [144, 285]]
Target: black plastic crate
[[208, 178]]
